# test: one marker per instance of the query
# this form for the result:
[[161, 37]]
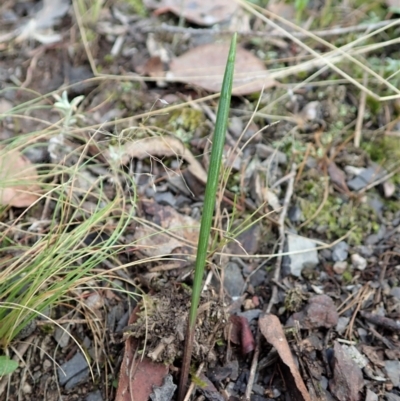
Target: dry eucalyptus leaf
[[165, 146], [201, 12], [272, 330], [17, 177], [204, 66]]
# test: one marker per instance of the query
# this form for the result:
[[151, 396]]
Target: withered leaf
[[272, 330], [204, 66]]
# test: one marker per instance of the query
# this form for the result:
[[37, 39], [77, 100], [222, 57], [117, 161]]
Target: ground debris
[[347, 381], [161, 324]]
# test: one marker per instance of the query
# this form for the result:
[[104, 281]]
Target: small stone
[[62, 336], [395, 292], [358, 262], [300, 260], [233, 280], [392, 397], [320, 312], [340, 267], [340, 251], [371, 396], [342, 324], [94, 396], [73, 372], [393, 371], [295, 214], [388, 189], [165, 198], [366, 177]]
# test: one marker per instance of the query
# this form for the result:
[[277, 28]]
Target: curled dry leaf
[[18, 177], [201, 12], [166, 146], [205, 65], [272, 330], [241, 333]]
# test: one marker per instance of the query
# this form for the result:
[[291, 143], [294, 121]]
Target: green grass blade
[[212, 180]]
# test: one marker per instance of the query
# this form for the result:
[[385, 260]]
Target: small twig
[[361, 111], [253, 368], [281, 221], [192, 384], [272, 34]]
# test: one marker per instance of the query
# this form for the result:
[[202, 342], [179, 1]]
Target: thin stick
[[282, 216], [253, 368], [274, 34], [361, 111]]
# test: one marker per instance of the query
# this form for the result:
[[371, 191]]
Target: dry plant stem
[[253, 368], [323, 33], [282, 216], [361, 111]]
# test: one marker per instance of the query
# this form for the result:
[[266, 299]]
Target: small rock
[[395, 292], [393, 371], [340, 251], [94, 396], [342, 324], [366, 177], [340, 267], [351, 170], [257, 389], [251, 314], [233, 280], [320, 312], [388, 189], [73, 372], [295, 214], [298, 261], [62, 336], [165, 198], [258, 278], [358, 262], [392, 397], [264, 151], [371, 396], [347, 379]]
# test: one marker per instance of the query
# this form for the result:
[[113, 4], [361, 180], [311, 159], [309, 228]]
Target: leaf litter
[[314, 123]]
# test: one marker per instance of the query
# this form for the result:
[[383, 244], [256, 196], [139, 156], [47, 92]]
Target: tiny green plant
[[7, 365], [208, 210]]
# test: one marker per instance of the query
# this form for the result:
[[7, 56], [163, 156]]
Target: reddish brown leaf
[[337, 176], [204, 66], [242, 334], [272, 330], [138, 376], [201, 12]]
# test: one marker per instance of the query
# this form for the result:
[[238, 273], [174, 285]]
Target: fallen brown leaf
[[204, 66], [165, 146], [201, 12], [153, 241], [138, 375], [337, 176], [241, 333], [272, 330], [18, 177]]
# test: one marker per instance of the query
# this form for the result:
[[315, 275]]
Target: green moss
[[138, 7], [181, 122], [337, 217], [383, 149], [347, 276]]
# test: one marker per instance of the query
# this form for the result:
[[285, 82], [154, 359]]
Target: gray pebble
[[73, 372], [340, 251]]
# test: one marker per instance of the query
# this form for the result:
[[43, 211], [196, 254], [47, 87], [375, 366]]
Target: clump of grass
[[208, 209]]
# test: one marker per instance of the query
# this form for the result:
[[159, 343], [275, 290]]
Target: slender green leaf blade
[[212, 180]]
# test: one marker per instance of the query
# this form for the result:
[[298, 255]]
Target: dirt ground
[[302, 297]]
